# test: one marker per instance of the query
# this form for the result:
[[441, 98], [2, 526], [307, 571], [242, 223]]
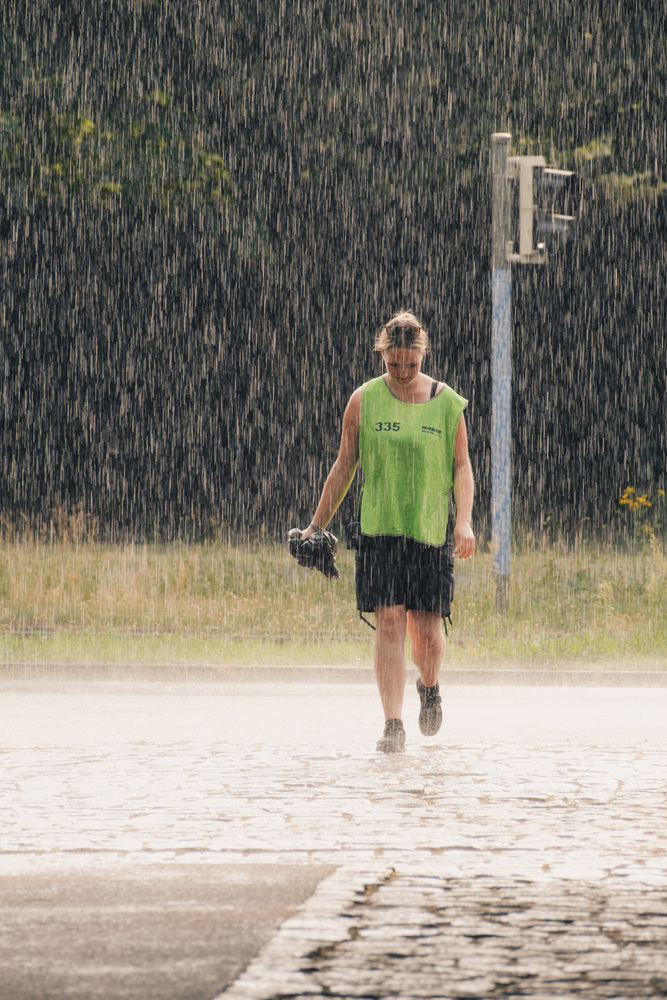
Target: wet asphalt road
[[176, 840]]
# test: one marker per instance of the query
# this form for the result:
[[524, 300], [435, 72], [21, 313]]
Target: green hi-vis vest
[[407, 456]]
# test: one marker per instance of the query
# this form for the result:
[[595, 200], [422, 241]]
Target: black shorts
[[396, 570]]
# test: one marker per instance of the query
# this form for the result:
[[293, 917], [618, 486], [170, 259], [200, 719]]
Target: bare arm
[[342, 472], [464, 489]]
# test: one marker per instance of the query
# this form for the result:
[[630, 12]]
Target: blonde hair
[[403, 330]]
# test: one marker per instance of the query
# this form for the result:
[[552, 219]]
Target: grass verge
[[224, 604]]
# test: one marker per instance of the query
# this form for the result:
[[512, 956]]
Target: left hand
[[464, 540]]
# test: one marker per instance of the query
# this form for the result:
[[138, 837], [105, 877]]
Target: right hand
[[319, 554]]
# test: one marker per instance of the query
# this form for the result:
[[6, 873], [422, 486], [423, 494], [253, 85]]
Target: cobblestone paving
[[482, 937], [571, 811], [490, 869]]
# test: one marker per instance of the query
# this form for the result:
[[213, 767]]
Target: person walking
[[409, 434]]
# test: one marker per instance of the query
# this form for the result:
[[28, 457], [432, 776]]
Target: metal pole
[[501, 375]]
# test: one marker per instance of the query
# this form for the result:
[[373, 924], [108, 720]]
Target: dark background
[[208, 209]]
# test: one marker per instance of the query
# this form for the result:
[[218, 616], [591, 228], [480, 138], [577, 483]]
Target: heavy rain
[[207, 211]]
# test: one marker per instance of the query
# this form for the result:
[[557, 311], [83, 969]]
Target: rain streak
[[207, 210]]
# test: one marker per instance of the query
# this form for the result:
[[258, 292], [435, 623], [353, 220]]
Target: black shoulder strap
[[434, 388]]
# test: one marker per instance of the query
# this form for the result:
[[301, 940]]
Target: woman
[[409, 433]]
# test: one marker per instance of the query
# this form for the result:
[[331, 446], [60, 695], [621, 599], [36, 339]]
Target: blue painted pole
[[501, 376]]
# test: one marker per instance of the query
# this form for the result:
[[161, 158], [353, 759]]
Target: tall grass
[[222, 603]]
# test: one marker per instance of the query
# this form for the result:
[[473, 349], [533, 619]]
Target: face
[[403, 364]]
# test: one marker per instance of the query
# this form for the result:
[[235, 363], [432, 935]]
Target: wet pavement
[[150, 931], [521, 852]]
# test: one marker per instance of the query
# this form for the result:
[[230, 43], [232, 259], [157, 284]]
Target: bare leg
[[390, 670], [427, 644], [428, 647]]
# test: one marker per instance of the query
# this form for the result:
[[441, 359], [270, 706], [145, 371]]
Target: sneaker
[[430, 715], [393, 737]]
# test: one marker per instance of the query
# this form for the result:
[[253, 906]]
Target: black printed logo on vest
[[430, 430]]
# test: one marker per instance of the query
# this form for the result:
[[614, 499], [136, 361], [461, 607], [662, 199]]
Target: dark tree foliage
[[208, 208]]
